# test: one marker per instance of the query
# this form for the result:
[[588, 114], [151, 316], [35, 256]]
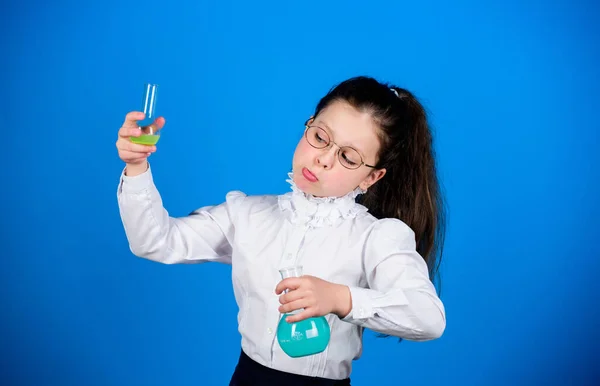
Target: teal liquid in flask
[[306, 337]]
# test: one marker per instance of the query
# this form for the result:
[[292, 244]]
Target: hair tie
[[395, 92]]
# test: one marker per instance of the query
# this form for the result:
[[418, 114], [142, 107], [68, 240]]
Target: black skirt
[[251, 373]]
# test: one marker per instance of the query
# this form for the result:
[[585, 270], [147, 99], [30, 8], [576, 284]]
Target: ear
[[309, 120], [372, 178]]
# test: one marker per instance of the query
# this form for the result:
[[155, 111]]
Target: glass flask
[[306, 337], [150, 133]]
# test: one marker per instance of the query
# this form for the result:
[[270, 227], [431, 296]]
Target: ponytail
[[410, 190]]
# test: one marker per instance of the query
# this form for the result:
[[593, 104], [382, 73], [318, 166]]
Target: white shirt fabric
[[334, 239]]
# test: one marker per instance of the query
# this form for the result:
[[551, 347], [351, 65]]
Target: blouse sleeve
[[204, 235], [400, 299]]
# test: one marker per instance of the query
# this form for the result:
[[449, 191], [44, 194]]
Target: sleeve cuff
[[362, 305], [137, 183]]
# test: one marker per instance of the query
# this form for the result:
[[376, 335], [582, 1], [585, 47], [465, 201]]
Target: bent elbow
[[432, 330], [436, 330], [151, 254], [430, 320], [137, 250]]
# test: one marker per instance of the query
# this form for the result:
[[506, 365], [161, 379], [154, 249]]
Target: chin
[[304, 185]]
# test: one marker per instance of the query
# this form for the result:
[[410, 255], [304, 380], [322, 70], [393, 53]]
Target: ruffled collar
[[319, 211]]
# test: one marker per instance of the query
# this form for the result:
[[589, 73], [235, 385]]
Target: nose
[[326, 157]]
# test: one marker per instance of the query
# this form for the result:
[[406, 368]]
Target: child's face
[[319, 171]]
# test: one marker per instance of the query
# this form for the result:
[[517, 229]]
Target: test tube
[[150, 133], [149, 101]]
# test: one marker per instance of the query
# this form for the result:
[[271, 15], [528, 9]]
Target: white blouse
[[334, 239]]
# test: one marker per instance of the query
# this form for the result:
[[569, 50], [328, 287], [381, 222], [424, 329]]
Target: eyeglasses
[[319, 139]]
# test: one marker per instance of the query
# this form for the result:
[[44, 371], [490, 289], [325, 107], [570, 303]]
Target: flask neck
[[295, 271]]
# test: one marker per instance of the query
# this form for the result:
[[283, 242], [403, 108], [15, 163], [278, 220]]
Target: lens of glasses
[[318, 138], [349, 157]]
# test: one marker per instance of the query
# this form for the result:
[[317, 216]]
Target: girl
[[364, 218]]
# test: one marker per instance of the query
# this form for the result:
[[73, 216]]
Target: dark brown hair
[[410, 190]]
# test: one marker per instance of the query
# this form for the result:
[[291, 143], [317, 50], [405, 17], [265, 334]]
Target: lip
[[308, 175]]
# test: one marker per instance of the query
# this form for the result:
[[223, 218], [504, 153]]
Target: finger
[[127, 146], [291, 283], [125, 132], [137, 148], [159, 122], [131, 157], [132, 117], [295, 305], [291, 296], [136, 131], [307, 313], [134, 154]]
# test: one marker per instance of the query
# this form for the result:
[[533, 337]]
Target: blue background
[[512, 91]]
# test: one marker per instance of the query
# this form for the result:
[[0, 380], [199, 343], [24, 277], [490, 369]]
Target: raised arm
[[205, 235]]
